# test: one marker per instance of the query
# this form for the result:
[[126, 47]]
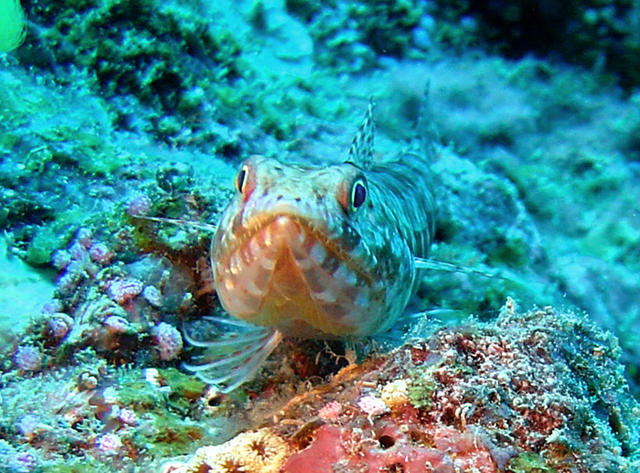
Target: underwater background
[[112, 110]]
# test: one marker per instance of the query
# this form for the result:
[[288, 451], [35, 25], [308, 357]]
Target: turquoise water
[[116, 110]]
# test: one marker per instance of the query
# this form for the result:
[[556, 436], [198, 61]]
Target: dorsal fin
[[361, 150]]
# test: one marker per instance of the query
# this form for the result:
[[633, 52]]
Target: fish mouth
[[285, 272]]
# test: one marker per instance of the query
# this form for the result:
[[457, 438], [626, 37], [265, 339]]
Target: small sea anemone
[[127, 417], [109, 444], [139, 204], [116, 324], [60, 259], [394, 394], [152, 295], [100, 253], [124, 290], [84, 237], [372, 406], [330, 411], [59, 325], [28, 358]]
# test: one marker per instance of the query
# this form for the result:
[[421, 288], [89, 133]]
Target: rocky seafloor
[[536, 391], [112, 111]]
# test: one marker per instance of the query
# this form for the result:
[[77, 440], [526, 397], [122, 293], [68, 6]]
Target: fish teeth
[[228, 284], [251, 288], [235, 265], [362, 299], [267, 263], [318, 253], [268, 240], [304, 263], [282, 222], [254, 247], [345, 274], [326, 296]]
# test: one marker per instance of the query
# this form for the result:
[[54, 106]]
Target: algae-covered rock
[[598, 34], [160, 56], [540, 391], [349, 35]]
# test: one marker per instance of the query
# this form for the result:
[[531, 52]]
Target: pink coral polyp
[[28, 358], [330, 411], [100, 253], [168, 340], [109, 444], [372, 405], [116, 324], [124, 290]]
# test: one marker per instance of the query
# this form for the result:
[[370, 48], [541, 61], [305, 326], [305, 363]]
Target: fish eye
[[358, 193], [241, 178]]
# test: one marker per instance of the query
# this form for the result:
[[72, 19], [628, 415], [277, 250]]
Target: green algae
[[48, 239], [139, 395], [592, 33], [420, 392], [421, 387], [163, 56], [169, 434], [529, 463], [86, 465], [184, 388]]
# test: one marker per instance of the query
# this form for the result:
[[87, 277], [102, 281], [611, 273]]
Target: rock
[[541, 390]]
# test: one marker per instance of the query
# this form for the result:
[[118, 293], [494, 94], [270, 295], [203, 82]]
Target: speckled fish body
[[324, 252]]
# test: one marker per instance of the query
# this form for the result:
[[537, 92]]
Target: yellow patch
[[12, 26]]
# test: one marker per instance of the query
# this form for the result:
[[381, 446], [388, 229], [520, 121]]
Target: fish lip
[[259, 222]]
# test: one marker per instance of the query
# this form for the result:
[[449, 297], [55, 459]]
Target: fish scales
[[323, 252]]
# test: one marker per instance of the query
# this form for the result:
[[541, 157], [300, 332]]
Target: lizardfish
[[316, 252]]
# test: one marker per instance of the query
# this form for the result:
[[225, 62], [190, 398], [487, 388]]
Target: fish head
[[289, 251]]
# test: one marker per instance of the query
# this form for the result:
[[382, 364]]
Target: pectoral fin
[[233, 357]]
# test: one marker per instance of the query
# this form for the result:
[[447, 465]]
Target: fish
[[321, 252]]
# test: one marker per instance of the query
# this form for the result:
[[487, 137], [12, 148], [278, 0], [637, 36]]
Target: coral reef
[[112, 111], [598, 34], [89, 414], [536, 391], [119, 44], [350, 36]]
